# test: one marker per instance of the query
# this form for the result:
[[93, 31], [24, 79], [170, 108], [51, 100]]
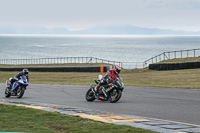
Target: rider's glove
[[108, 80], [102, 81]]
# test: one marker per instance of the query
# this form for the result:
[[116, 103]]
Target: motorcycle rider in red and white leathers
[[110, 75]]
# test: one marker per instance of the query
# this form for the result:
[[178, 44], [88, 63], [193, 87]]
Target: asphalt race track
[[174, 104]]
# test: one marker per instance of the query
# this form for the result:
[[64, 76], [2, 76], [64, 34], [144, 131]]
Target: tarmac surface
[[157, 109]]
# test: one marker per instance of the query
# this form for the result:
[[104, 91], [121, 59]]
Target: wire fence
[[132, 65], [173, 55], [125, 65], [64, 60]]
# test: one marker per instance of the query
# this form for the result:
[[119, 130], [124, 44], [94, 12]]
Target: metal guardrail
[[59, 60], [63, 60], [132, 65], [173, 55], [125, 65]]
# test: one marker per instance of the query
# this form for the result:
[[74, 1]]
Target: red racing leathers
[[110, 75]]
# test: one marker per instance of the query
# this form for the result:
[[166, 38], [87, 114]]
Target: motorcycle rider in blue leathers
[[24, 72]]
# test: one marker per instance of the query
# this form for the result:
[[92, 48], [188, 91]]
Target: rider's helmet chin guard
[[117, 69], [25, 71]]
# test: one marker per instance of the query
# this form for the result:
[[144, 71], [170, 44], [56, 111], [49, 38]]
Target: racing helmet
[[117, 69], [25, 71]]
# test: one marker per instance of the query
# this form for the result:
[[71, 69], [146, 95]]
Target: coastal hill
[[97, 30]]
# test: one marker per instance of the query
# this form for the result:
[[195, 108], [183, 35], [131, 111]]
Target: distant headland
[[96, 30]]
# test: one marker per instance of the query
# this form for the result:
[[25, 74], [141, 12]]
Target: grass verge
[[21, 119], [187, 78], [181, 60]]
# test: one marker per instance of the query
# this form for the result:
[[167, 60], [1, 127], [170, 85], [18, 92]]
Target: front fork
[[92, 87], [8, 84], [97, 96], [103, 90]]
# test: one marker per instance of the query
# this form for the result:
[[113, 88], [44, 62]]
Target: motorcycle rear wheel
[[20, 91], [7, 92], [89, 96], [115, 96]]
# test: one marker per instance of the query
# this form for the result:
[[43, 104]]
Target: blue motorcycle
[[17, 88]]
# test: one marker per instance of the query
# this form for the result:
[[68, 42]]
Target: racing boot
[[96, 90]]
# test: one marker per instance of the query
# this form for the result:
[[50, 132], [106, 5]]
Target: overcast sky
[[82, 14]]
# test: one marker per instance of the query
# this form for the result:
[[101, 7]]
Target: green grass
[[187, 78], [181, 60], [21, 119]]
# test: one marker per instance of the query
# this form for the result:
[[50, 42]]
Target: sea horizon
[[119, 48], [95, 35]]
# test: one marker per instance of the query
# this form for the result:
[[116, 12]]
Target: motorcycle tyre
[[89, 98], [118, 96], [7, 93], [21, 89]]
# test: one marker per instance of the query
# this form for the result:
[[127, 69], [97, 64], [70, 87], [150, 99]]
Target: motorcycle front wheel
[[7, 92], [20, 91], [89, 96], [115, 96]]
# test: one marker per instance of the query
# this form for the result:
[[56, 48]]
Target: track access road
[[174, 104]]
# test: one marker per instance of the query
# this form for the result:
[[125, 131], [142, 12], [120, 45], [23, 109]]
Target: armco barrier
[[60, 69], [174, 66]]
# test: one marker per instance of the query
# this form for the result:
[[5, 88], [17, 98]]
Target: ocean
[[123, 48]]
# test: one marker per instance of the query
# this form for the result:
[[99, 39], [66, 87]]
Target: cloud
[[81, 14], [174, 4]]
